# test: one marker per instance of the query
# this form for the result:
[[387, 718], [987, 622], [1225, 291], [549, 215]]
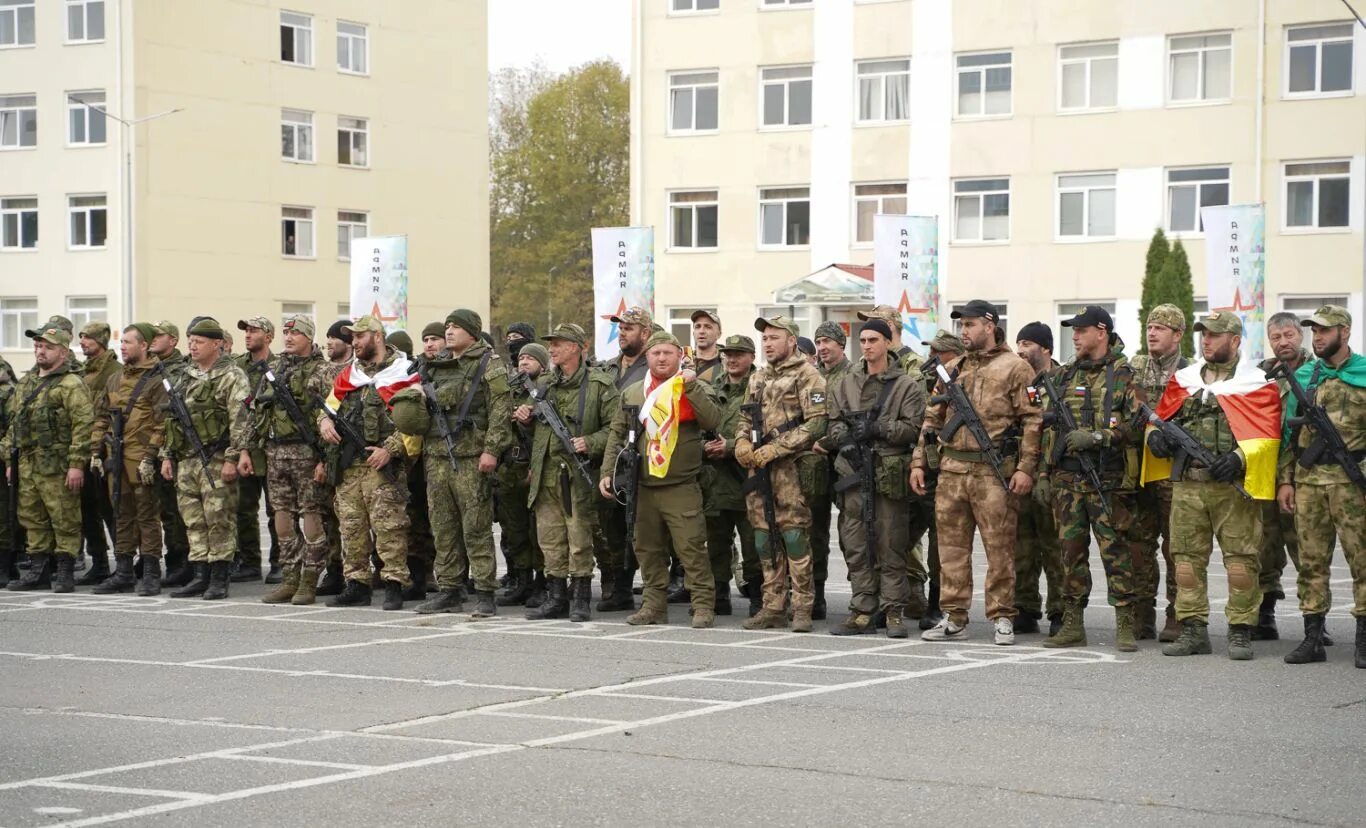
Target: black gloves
[[1159, 445], [1227, 467]]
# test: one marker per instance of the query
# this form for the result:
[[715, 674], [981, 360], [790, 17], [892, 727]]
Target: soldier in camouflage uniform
[[943, 349], [1037, 548], [1099, 392], [526, 563], [909, 360], [634, 326], [49, 423], [1166, 324], [259, 333], [970, 494], [9, 546], [790, 394], [177, 558], [706, 336], [893, 407], [1324, 500], [815, 469], [721, 479], [214, 391], [96, 511]]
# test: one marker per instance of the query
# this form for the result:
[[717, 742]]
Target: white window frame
[[310, 220], [1062, 337], [14, 12], [352, 132], [959, 70], [1316, 178], [1058, 191], [692, 207], [694, 87], [15, 112], [17, 314], [681, 318], [1202, 54], [73, 210], [82, 310], [879, 200], [347, 226], [882, 78], [785, 201], [692, 9], [289, 308], [1199, 186], [298, 22], [786, 84], [299, 124], [11, 212], [351, 39], [84, 7], [981, 196], [344, 310], [1002, 306], [80, 104], [1304, 304], [1318, 61], [1089, 63], [785, 5]]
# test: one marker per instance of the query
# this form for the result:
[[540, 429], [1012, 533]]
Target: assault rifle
[[182, 416], [964, 415], [625, 478], [761, 481], [546, 413], [862, 457], [296, 414], [1066, 424], [1327, 439], [443, 423], [1187, 447], [355, 441], [115, 466]]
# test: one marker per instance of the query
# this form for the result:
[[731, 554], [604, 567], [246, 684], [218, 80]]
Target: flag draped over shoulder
[[392, 379], [664, 410], [1314, 372], [1252, 405]]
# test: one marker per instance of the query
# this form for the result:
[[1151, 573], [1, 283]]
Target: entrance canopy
[[835, 284]]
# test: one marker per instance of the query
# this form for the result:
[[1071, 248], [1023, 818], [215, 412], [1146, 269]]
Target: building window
[[343, 310], [353, 142], [693, 101], [296, 135], [871, 199], [82, 310], [1317, 194], [984, 82], [18, 121], [1062, 337], [1304, 306], [84, 21], [680, 322], [692, 220], [1086, 205], [18, 223], [86, 123], [884, 91], [1200, 68], [351, 225], [1088, 76], [1001, 307], [786, 95], [685, 6], [1318, 60], [288, 309], [353, 48], [16, 316], [802, 315], [296, 232], [981, 209], [785, 216], [89, 221], [16, 23], [775, 4], [296, 38], [1190, 189]]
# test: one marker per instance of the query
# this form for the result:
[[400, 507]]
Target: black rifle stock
[[438, 414], [296, 414], [761, 481], [965, 416], [547, 414], [1327, 439], [356, 441], [115, 467], [626, 478], [182, 416], [1066, 424], [864, 477], [1187, 447]]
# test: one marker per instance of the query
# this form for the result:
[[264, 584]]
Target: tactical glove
[[1227, 467], [1159, 445], [147, 471], [1078, 441]]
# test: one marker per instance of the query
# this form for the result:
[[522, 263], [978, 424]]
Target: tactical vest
[[364, 410], [207, 415], [1092, 414], [279, 426], [1202, 416]]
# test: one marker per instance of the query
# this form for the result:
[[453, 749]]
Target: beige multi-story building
[[1050, 137], [168, 159]]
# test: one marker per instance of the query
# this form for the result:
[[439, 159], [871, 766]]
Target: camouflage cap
[[831, 330], [633, 316], [206, 327], [1167, 315], [1329, 316], [61, 322], [662, 338], [886, 313], [709, 314], [738, 342], [365, 323], [1219, 322], [168, 328], [98, 331], [761, 324], [300, 324], [944, 342], [50, 333], [259, 322], [568, 331]]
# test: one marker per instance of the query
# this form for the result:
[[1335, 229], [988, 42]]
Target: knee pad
[[761, 547], [795, 541], [1239, 579], [1185, 576]]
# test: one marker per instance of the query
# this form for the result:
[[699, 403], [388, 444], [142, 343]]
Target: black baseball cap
[[977, 308], [1092, 316]]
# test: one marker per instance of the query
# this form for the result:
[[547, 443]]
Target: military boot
[[1027, 622], [393, 596], [307, 591], [417, 575], [896, 626], [755, 593], [1073, 630], [122, 580], [616, 594], [767, 619], [916, 606], [284, 593], [1145, 620], [1266, 620], [199, 581], [1054, 623], [1240, 642], [645, 617], [678, 591], [1125, 641], [1194, 640], [1359, 659], [856, 624], [518, 589], [537, 596], [801, 621], [723, 605], [220, 575], [1311, 648], [484, 606], [355, 594], [37, 576], [64, 578], [818, 601], [933, 614], [274, 575], [179, 570], [98, 570], [556, 603], [447, 600], [240, 573], [703, 618], [151, 577], [333, 583], [580, 596], [1172, 629]]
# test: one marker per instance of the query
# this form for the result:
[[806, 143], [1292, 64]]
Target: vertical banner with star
[[379, 280], [1235, 262], [623, 277], [906, 273]]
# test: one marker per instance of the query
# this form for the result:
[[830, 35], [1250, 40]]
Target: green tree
[[1158, 251], [559, 166], [1176, 286]]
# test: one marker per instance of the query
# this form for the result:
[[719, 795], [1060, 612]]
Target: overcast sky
[[562, 33]]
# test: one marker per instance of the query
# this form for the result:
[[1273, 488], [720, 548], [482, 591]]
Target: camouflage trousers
[[790, 509], [671, 516], [138, 517], [49, 512], [721, 530], [790, 565], [813, 473], [1202, 512], [1321, 512], [1079, 514], [566, 539], [964, 502], [609, 535], [1152, 517], [1279, 541], [520, 547], [208, 505], [250, 489], [368, 502], [460, 508], [879, 583], [1038, 552], [172, 524], [298, 499]]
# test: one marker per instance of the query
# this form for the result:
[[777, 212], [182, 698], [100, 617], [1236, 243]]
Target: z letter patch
[[817, 397]]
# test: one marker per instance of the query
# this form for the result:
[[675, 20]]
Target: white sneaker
[[945, 630], [1005, 632]]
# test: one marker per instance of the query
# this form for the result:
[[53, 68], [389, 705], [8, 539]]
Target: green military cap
[[698, 314], [1167, 315], [466, 319], [146, 330], [536, 351], [401, 341], [435, 329], [567, 331], [98, 331], [1220, 322], [300, 324], [365, 323], [51, 333], [206, 327], [886, 313], [409, 411], [831, 330], [259, 322], [633, 316], [1329, 316], [61, 322], [783, 322], [168, 327], [662, 338], [738, 342], [944, 342]]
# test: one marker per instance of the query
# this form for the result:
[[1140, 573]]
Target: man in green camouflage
[[49, 420], [526, 563], [1037, 548], [258, 335], [906, 356], [634, 326], [97, 513], [722, 478], [815, 468], [165, 340]]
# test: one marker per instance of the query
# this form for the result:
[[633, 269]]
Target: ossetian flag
[[1252, 404]]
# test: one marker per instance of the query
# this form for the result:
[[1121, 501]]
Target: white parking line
[[188, 796], [280, 760]]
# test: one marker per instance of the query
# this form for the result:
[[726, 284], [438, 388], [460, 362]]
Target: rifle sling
[[137, 390], [464, 410]]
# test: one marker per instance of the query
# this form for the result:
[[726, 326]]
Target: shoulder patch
[[817, 397]]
